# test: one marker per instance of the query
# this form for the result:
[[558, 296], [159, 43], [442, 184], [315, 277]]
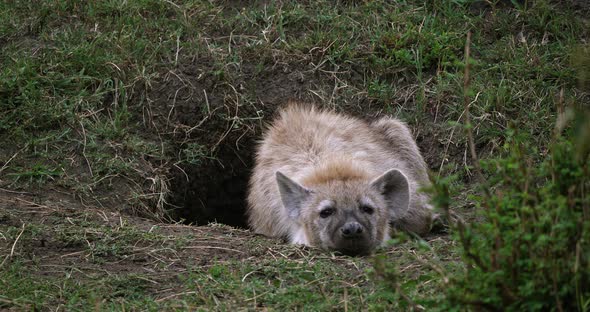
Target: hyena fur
[[336, 182]]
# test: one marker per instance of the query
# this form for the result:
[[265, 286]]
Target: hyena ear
[[393, 185], [292, 194]]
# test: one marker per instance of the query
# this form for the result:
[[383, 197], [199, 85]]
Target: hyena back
[[336, 182]]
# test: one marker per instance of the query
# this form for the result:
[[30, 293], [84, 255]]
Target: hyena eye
[[367, 209], [326, 212]]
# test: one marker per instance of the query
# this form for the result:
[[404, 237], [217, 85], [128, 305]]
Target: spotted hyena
[[336, 182]]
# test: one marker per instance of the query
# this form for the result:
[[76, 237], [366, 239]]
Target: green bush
[[531, 251]]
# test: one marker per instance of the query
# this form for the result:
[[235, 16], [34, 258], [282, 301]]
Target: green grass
[[85, 73], [105, 101], [107, 293], [101, 260]]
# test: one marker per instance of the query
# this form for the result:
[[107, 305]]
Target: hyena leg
[[418, 218]]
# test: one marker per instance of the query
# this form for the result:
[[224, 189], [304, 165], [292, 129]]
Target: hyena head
[[349, 215]]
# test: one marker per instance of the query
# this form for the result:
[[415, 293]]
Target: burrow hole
[[216, 189]]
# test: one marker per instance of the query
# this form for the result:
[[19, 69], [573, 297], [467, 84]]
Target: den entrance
[[215, 190]]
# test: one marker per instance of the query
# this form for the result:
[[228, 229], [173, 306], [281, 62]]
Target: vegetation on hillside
[[110, 110]]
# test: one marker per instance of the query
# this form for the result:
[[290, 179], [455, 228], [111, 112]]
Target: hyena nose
[[351, 230]]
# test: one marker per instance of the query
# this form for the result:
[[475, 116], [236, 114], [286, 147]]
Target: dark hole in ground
[[195, 98], [216, 190]]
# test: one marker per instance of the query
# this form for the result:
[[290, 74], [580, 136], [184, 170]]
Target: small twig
[[213, 247], [176, 295], [257, 296], [173, 105], [345, 300], [72, 254], [84, 149], [182, 170], [561, 116], [33, 204], [15, 192], [466, 84], [114, 65], [174, 4], [16, 240], [11, 158], [248, 274], [178, 48], [207, 102], [556, 291]]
